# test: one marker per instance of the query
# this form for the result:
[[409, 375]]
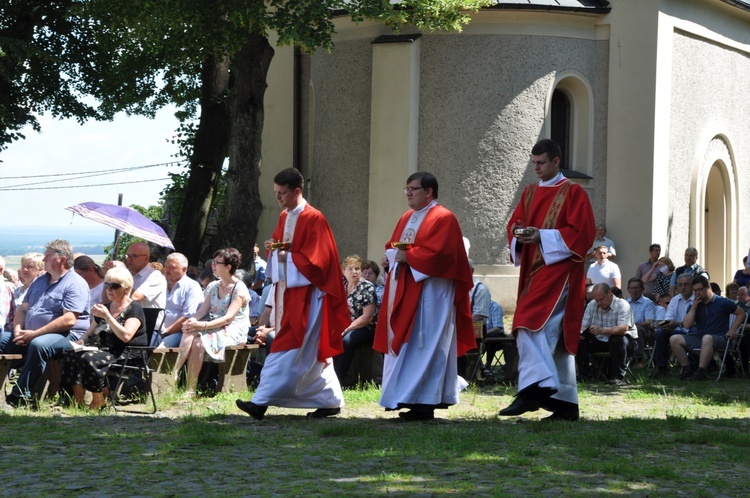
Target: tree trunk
[[210, 149], [249, 69]]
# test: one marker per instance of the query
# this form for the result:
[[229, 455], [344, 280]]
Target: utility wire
[[8, 189], [117, 170]]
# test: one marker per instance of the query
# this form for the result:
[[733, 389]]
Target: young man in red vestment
[[425, 317], [549, 232], [311, 309]]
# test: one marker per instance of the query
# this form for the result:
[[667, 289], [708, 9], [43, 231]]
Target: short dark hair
[[231, 257], [426, 180], [547, 146], [700, 279], [290, 177], [372, 265], [653, 246], [637, 280]]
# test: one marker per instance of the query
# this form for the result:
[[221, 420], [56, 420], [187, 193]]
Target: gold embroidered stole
[[550, 221]]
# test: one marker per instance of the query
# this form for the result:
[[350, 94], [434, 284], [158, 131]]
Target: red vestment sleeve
[[438, 251], [315, 255], [565, 207]]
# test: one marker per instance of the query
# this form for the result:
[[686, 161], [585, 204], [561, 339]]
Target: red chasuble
[[565, 207], [438, 251], [316, 257]]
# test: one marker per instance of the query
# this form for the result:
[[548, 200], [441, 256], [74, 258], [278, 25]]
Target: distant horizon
[[18, 240]]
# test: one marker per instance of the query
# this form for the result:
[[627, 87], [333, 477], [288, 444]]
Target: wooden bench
[[162, 363], [233, 372], [6, 360]]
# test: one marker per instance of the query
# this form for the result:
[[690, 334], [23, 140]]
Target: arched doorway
[[716, 228], [714, 231]]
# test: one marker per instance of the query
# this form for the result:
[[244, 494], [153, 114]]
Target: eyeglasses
[[409, 190], [133, 256], [112, 285], [214, 263]]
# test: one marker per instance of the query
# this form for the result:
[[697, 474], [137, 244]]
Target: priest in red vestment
[[310, 306], [549, 232], [425, 318]]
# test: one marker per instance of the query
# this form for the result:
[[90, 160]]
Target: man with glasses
[[149, 285], [425, 319], [672, 324], [691, 267], [55, 311], [710, 313]]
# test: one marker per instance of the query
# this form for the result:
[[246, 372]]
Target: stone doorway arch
[[715, 233]]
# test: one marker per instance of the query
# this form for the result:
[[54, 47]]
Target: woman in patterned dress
[[119, 323], [222, 320], [362, 302]]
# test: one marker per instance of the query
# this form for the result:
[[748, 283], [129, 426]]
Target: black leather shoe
[[519, 406], [324, 412], [417, 415], [255, 411], [570, 415]]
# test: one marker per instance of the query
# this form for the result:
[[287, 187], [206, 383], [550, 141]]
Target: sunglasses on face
[[112, 285]]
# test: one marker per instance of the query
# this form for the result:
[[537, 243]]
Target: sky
[[64, 146]]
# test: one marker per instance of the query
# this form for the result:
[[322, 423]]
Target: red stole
[[438, 251], [567, 208], [315, 255]]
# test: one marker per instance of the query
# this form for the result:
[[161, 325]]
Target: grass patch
[[643, 439]]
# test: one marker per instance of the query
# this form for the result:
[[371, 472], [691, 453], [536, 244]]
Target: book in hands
[[80, 347]]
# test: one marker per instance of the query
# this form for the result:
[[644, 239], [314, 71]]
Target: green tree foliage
[[137, 56]]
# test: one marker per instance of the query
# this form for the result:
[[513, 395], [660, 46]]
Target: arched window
[[570, 123], [560, 122]]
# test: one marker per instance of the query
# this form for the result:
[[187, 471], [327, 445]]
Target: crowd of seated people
[[669, 312], [675, 312]]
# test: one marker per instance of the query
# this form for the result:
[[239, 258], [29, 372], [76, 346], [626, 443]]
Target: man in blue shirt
[[55, 311], [643, 314], [710, 313]]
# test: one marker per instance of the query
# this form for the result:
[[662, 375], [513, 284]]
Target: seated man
[[496, 328], [480, 312], [643, 313], [710, 313], [184, 297], [55, 311], [607, 326], [603, 271], [672, 324]]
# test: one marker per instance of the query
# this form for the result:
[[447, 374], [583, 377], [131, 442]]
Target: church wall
[[709, 88], [339, 162]]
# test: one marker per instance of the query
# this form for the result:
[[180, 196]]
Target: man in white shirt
[[184, 297], [676, 311], [603, 271], [149, 285]]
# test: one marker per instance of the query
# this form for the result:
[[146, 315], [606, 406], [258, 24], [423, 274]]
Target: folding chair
[[602, 359], [135, 360], [733, 350]]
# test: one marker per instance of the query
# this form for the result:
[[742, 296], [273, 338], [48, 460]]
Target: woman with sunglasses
[[222, 320], [118, 323]]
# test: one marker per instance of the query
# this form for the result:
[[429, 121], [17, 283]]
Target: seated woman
[[119, 323], [663, 267], [226, 320], [362, 302]]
